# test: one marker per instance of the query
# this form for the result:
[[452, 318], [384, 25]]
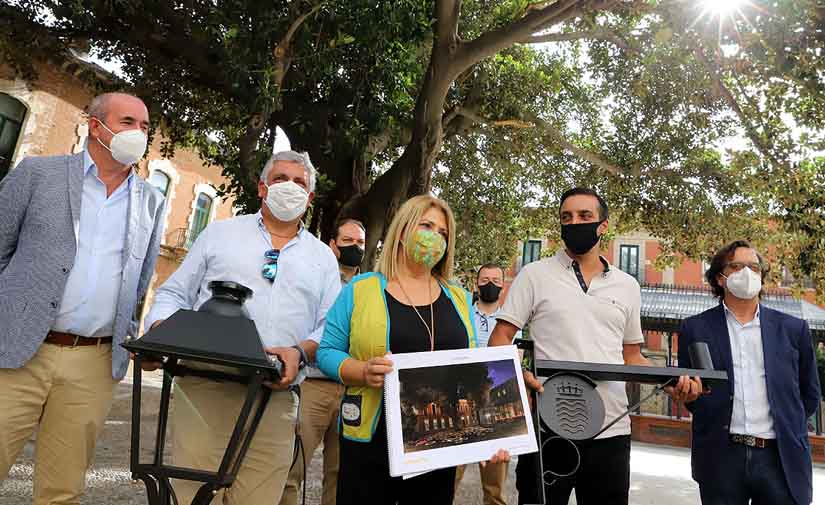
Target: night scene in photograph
[[448, 405]]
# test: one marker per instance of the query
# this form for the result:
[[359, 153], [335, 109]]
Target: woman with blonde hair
[[408, 305]]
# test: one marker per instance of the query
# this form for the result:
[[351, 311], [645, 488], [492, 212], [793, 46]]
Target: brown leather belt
[[71, 340], [752, 441]]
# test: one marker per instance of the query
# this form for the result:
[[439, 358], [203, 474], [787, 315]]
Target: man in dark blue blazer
[[750, 436]]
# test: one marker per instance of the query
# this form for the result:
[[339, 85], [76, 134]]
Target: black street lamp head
[[227, 299], [570, 408], [220, 332]]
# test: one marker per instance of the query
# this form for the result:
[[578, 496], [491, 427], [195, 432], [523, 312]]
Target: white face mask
[[286, 201], [127, 147], [744, 284]]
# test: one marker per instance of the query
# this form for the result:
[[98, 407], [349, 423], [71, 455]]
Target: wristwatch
[[304, 360]]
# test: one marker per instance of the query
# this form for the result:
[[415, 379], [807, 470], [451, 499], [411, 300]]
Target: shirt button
[[54, 305], [725, 427], [65, 269]]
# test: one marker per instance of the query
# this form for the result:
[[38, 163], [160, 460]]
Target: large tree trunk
[[410, 174]]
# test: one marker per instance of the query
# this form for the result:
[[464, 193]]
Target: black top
[[408, 333]]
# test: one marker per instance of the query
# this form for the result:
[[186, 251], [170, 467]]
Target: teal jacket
[[358, 326]]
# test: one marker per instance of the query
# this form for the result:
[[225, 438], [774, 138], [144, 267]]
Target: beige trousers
[[493, 477], [67, 393], [318, 422], [203, 416]]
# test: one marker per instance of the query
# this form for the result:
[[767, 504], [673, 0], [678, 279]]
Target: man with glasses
[[320, 395], [294, 278], [489, 283], [750, 439]]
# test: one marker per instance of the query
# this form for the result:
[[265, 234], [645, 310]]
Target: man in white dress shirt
[[294, 278], [750, 435]]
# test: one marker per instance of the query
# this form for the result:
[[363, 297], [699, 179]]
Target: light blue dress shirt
[[90, 298], [287, 311], [485, 324]]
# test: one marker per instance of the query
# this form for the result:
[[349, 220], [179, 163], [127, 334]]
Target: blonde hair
[[404, 225]]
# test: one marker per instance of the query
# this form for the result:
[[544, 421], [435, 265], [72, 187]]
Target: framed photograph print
[[449, 408]]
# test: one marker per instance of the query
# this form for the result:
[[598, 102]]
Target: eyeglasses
[[738, 265], [270, 268]]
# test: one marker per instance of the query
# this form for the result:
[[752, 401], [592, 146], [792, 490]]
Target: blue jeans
[[757, 479]]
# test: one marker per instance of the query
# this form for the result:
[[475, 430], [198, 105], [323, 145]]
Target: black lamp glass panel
[[205, 337]]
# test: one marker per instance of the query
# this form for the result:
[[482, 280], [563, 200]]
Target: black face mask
[[489, 292], [351, 255], [580, 238]]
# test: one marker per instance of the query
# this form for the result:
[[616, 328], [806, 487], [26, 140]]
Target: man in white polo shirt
[[579, 308]]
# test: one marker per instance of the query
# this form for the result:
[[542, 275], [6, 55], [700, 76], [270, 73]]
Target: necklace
[[283, 236], [431, 327], [268, 230]]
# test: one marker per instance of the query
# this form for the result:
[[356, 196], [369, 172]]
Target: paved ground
[[660, 475]]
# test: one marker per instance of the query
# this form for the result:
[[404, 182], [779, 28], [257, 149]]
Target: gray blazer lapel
[[134, 212], [75, 175]]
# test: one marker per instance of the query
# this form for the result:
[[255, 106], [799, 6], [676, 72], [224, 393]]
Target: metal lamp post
[[219, 333]]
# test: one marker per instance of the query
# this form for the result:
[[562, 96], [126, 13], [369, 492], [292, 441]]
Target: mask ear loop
[[107, 129]]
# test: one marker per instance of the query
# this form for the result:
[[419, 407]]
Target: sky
[[500, 371]]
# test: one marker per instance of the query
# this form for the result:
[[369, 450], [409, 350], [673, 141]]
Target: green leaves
[[341, 40], [653, 119]]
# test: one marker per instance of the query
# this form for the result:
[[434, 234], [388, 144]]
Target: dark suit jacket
[[793, 393]]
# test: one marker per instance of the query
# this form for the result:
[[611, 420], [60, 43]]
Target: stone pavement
[[660, 475]]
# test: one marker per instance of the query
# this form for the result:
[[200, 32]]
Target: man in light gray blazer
[[79, 237]]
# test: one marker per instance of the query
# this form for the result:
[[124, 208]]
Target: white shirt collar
[[730, 313], [89, 165], [479, 312], [567, 262], [301, 230]]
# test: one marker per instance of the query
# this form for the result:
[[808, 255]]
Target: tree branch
[[604, 35], [282, 54], [751, 132], [258, 121], [554, 134], [537, 5], [589, 156], [297, 24], [534, 20], [475, 117]]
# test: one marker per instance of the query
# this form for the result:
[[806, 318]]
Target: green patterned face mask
[[426, 247]]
